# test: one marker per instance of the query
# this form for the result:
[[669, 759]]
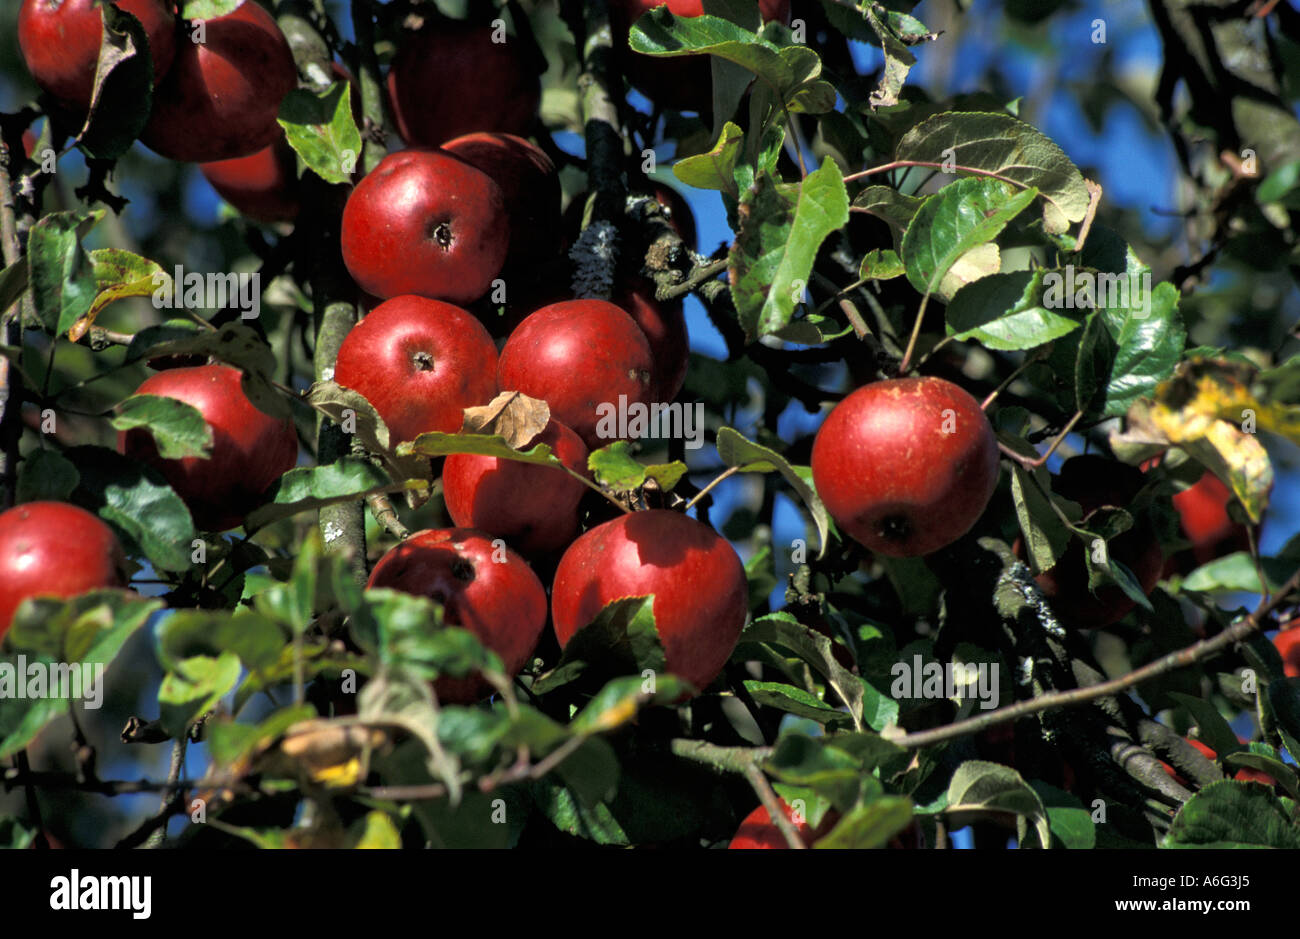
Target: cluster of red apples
[[905, 466]]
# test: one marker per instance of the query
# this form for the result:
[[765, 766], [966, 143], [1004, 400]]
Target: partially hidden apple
[[222, 96], [1288, 646], [424, 222], [530, 189], [577, 356], [698, 583], [420, 363], [453, 78], [482, 586], [1093, 482], [534, 508], [54, 549], [250, 448], [664, 325], [906, 466], [60, 41], [758, 831], [263, 185]]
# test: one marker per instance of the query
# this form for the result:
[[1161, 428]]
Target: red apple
[[1288, 646], [57, 550], [1244, 774], [250, 448], [664, 325], [1203, 509], [759, 831], [906, 466], [263, 186], [529, 185], [60, 42], [698, 583], [575, 356], [684, 83], [420, 362], [483, 587], [221, 99], [534, 508], [1093, 482], [426, 223], [451, 78]]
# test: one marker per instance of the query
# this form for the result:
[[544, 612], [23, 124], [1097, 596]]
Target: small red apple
[[1288, 646], [263, 185], [1094, 481], [221, 99], [250, 448], [906, 466], [420, 362], [529, 185], [483, 586], [1203, 509], [54, 549], [534, 508], [60, 42], [664, 325], [759, 831], [423, 222], [454, 78], [701, 597], [1244, 774], [575, 356]]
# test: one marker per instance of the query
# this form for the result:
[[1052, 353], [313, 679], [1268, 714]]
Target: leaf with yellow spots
[[376, 830], [1210, 410]]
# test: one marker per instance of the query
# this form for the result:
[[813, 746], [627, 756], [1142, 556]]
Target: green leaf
[[1139, 335], [118, 275], [621, 640], [62, 638], [619, 700], [881, 264], [660, 33], [808, 761], [308, 488], [999, 144], [1236, 572], [782, 228], [1070, 822], [62, 279], [136, 499], [717, 168], [812, 647], [614, 467], [252, 637], [407, 632], [1214, 730], [955, 220], [178, 428], [193, 688], [45, 475], [1233, 815], [871, 825], [735, 450], [435, 444], [1045, 535], [1005, 312], [792, 700], [321, 130], [889, 205], [208, 9], [978, 786]]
